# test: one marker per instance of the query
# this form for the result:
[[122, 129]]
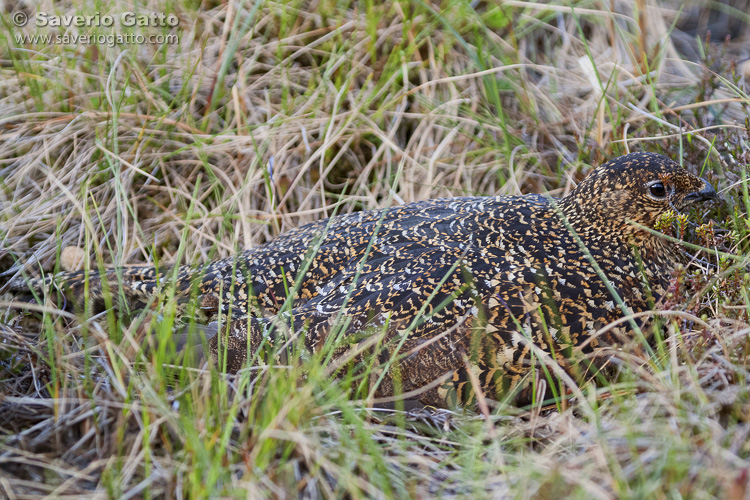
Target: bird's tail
[[134, 284]]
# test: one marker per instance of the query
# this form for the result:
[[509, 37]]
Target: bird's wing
[[312, 258]]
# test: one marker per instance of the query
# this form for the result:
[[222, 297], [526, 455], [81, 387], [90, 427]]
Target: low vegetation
[[257, 117]]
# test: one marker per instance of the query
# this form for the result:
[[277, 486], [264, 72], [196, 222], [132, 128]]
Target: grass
[[268, 115]]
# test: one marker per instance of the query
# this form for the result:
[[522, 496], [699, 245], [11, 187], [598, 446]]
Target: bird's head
[[638, 187]]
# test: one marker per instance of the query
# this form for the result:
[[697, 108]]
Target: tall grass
[[268, 115]]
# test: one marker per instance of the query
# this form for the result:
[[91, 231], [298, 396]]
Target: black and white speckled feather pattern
[[487, 273]]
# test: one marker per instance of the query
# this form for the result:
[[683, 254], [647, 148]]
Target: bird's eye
[[657, 190]]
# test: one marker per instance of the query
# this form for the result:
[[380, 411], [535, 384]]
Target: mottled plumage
[[447, 280]]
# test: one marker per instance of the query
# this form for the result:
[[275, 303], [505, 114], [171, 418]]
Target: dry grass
[[269, 115]]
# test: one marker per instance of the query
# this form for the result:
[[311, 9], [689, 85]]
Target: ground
[[229, 123]]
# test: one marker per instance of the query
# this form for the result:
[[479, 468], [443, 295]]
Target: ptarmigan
[[443, 286]]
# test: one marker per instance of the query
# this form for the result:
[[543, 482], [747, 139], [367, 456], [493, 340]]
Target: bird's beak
[[705, 194]]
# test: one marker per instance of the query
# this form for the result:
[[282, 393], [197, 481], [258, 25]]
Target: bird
[[448, 297]]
